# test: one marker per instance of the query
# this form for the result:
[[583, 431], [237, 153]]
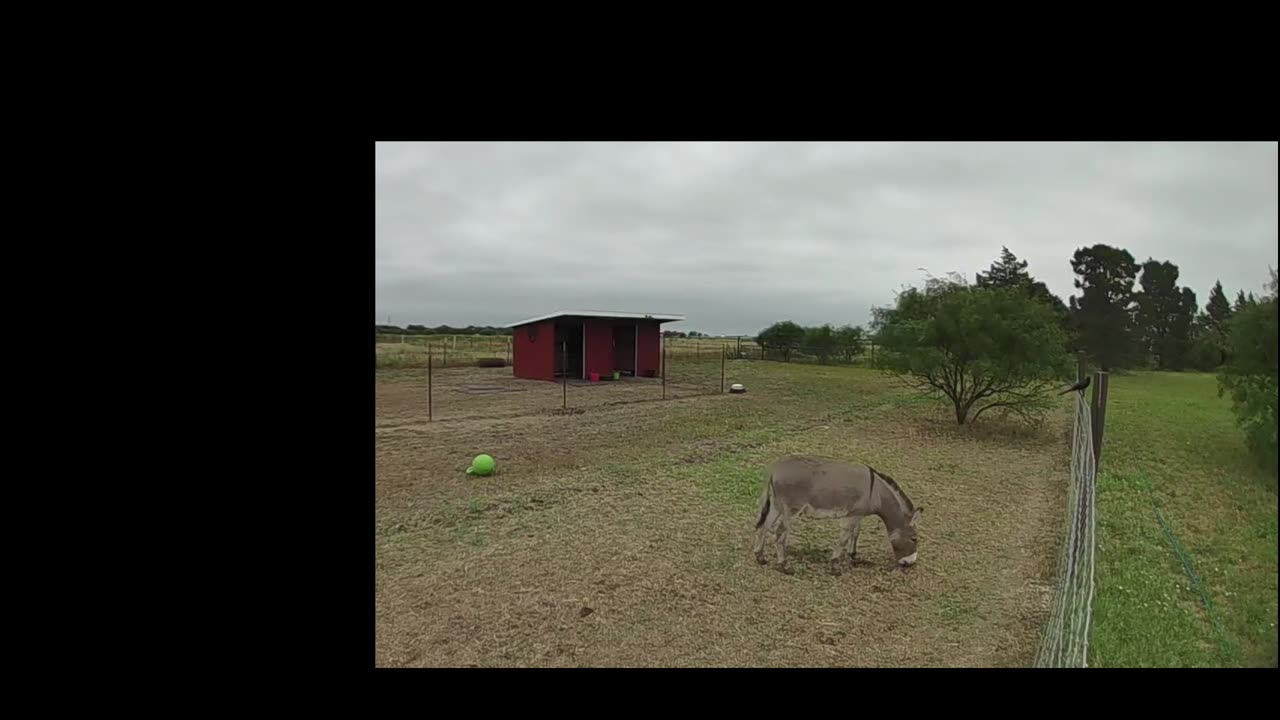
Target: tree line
[[1128, 315], [1005, 342], [823, 342], [440, 330]]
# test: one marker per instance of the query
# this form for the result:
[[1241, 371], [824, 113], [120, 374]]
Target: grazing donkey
[[832, 489]]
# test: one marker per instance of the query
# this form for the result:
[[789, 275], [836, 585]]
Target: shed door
[[624, 348]]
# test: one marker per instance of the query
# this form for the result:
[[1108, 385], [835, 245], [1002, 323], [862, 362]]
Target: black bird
[[1080, 386]]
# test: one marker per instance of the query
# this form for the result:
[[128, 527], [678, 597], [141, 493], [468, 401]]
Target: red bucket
[[595, 377]]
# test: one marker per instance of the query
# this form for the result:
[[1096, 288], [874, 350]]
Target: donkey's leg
[[770, 520], [842, 547], [784, 525], [853, 526]]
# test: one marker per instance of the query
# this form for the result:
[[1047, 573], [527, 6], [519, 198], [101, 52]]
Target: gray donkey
[[832, 489]]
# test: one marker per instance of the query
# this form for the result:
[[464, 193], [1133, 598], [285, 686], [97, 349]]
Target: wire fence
[[466, 389], [746, 348], [412, 351], [1066, 636]]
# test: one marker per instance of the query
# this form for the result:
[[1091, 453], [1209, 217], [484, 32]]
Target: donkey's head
[[905, 540]]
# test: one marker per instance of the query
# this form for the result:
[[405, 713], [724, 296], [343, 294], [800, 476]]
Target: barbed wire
[[1066, 636]]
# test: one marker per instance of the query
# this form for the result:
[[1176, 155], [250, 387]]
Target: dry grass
[[411, 351], [620, 535]]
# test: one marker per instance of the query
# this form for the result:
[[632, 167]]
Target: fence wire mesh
[[1066, 636]]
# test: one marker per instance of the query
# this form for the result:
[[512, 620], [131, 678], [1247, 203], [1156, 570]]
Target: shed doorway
[[624, 348], [570, 351]]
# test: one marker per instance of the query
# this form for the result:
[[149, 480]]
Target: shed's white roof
[[600, 314]]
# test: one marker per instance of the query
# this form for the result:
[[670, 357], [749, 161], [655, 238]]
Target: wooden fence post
[[1099, 412], [664, 373]]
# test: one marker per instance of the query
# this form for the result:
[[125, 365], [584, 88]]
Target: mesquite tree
[[983, 348]]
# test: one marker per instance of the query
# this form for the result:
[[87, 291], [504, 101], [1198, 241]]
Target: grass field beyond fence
[[1172, 443]]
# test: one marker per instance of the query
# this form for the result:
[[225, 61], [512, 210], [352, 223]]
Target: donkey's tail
[[764, 507]]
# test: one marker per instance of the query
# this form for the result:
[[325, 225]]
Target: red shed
[[580, 342]]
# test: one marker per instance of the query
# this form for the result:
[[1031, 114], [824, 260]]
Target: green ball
[[482, 465]]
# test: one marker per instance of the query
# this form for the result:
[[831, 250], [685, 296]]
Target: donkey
[[827, 488]]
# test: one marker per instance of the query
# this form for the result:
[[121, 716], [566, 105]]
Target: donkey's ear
[[915, 516]]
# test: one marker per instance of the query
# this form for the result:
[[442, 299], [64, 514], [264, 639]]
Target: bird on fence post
[[1079, 386]]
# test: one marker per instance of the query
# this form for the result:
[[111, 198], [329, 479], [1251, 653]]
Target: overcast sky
[[737, 235]]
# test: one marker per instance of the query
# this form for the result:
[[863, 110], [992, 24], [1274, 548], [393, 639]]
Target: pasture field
[[619, 534], [1171, 443]]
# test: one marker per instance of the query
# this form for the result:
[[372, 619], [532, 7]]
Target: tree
[[1039, 291], [1103, 314], [1010, 272], [1165, 314], [1243, 301], [1218, 309], [1250, 375], [1211, 330], [1006, 272], [1206, 352], [784, 335], [820, 341], [849, 342], [982, 348]]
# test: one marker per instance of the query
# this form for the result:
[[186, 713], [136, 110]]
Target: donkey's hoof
[[836, 568], [760, 558], [786, 570]]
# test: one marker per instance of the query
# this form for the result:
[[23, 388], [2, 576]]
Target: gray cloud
[[738, 235]]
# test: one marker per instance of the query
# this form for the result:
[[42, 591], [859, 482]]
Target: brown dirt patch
[[619, 535]]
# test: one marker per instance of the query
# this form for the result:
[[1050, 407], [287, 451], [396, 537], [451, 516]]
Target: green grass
[[1171, 443]]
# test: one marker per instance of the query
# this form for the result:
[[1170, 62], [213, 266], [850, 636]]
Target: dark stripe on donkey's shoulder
[[893, 484]]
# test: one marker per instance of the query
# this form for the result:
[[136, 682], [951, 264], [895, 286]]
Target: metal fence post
[[724, 352], [564, 375], [429, 393], [1099, 412]]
